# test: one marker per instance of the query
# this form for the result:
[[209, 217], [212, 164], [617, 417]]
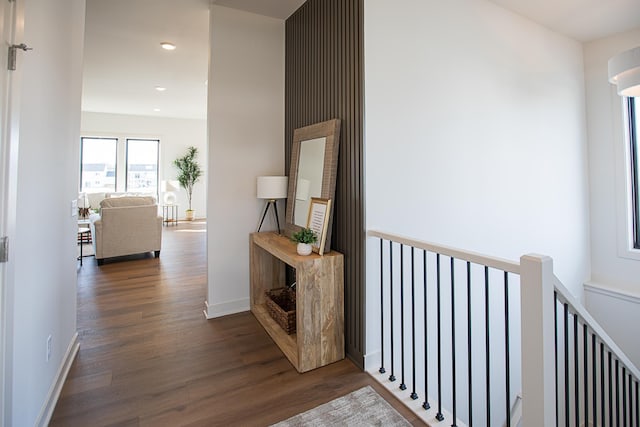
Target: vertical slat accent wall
[[324, 80]]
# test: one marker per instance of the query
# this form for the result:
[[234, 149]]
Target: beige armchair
[[126, 226]]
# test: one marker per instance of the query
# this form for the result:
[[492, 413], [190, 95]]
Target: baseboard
[[372, 361], [54, 392], [211, 311]]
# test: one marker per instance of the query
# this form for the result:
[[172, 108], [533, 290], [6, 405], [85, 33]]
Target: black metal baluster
[[566, 365], [637, 406], [403, 386], [453, 342], [576, 368], [486, 342], [439, 415], [414, 395], [610, 391], [594, 374], [585, 364], [617, 396], [624, 396], [630, 398], [506, 347], [555, 333], [469, 343], [392, 377], [602, 416], [382, 370], [425, 404]]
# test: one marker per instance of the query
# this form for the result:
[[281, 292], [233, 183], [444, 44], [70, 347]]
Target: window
[[633, 122], [98, 164], [142, 165]]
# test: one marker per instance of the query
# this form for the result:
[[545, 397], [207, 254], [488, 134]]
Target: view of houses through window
[[98, 162], [142, 165], [100, 169]]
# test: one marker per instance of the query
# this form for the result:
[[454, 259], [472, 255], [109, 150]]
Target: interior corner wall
[[324, 80], [245, 134], [475, 133], [41, 283], [175, 136]]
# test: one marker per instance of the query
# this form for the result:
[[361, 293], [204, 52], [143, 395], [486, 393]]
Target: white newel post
[[538, 340]]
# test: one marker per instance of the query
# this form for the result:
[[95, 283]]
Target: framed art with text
[[318, 221]]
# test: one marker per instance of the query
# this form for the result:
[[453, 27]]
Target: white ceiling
[[124, 61]]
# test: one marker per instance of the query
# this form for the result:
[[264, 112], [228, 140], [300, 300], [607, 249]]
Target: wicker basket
[[281, 305]]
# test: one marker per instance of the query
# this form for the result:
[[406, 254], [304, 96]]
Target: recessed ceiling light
[[156, 110], [168, 46], [160, 88]]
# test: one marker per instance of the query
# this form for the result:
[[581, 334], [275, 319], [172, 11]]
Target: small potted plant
[[305, 237], [189, 174]]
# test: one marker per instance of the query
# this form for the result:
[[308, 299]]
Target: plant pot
[[303, 249], [189, 214]]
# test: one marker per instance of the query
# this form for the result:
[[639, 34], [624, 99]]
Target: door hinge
[[4, 249], [11, 66]]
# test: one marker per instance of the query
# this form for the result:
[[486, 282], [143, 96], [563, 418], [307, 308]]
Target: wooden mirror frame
[[331, 131]]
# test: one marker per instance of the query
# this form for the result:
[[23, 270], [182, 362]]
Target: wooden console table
[[319, 337]]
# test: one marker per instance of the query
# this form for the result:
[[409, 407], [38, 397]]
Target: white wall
[[175, 136], [41, 286], [475, 136], [612, 295], [246, 140], [476, 132]]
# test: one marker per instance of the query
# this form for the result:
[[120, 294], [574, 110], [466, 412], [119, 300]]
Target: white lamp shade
[[624, 72], [272, 187], [169, 185]]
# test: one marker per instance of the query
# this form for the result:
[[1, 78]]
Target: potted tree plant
[[305, 237], [189, 174]]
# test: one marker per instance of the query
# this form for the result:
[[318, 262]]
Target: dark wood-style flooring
[[148, 357]]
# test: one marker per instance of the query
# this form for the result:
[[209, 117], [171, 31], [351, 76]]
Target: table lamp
[[271, 188]]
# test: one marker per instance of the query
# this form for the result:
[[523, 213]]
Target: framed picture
[[318, 221]]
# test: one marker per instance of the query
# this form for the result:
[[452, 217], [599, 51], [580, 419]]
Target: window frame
[[634, 152]]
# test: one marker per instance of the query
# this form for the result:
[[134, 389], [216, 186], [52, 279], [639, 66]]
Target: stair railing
[[460, 333]]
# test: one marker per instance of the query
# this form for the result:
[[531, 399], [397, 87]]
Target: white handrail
[[565, 296], [474, 257]]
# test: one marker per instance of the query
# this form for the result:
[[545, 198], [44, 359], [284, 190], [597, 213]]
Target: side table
[[169, 215], [82, 232]]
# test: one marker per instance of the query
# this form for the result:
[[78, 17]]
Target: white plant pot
[[303, 249]]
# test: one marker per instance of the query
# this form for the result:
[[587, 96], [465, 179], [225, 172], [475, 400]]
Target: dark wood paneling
[[324, 80]]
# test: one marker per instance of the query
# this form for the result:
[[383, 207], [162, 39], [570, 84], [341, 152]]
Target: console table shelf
[[319, 337]]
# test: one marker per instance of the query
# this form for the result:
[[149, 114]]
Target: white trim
[[225, 308], [372, 361], [415, 406], [597, 288], [54, 392]]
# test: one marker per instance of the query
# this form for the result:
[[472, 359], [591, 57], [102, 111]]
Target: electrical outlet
[[48, 348]]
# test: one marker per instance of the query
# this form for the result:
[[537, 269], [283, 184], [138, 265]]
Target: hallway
[[149, 357]]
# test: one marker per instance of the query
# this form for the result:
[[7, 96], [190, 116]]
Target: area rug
[[362, 407]]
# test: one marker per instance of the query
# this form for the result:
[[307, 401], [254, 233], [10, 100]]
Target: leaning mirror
[[314, 162]]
